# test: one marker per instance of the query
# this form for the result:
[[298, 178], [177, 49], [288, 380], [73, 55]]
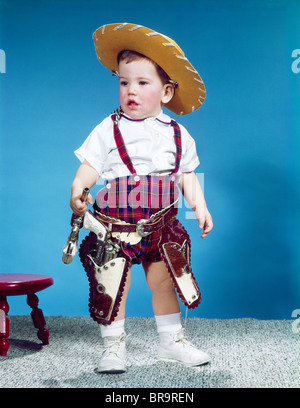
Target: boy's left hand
[[205, 221]]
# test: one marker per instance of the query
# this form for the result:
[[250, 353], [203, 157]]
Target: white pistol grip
[[92, 224]]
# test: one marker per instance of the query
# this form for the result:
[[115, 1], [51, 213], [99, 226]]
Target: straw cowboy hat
[[111, 39]]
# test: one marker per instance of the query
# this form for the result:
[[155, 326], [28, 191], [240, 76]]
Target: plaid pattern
[[177, 138], [130, 200], [145, 250], [133, 197]]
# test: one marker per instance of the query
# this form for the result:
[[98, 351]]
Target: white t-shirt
[[150, 145]]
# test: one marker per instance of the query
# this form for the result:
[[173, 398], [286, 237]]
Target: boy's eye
[[123, 83], [143, 82]]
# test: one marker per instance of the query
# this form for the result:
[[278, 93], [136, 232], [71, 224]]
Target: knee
[[160, 285], [158, 278]]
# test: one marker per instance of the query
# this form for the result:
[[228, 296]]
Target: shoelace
[[113, 345], [179, 338]]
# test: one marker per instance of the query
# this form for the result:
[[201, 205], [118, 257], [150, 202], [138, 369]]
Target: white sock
[[168, 323], [115, 329]]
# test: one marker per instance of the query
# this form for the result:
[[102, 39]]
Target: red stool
[[13, 284]]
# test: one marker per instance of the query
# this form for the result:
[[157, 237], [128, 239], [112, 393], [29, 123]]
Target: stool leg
[[4, 326], [38, 318]]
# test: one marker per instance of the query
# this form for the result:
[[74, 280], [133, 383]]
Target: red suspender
[[123, 152], [121, 147], [177, 138]]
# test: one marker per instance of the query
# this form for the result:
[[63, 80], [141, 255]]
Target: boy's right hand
[[85, 177], [78, 205]]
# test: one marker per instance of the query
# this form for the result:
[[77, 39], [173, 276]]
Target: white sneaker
[[113, 357], [174, 347]]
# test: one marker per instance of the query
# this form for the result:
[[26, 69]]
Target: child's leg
[[164, 298], [173, 346], [114, 354], [121, 312], [116, 328]]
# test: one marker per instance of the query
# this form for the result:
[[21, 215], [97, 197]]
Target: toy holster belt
[[142, 227], [107, 264]]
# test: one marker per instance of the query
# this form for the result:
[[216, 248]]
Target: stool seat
[[14, 284]]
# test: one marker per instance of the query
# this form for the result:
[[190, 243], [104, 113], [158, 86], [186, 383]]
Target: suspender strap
[[177, 138], [121, 146], [123, 151]]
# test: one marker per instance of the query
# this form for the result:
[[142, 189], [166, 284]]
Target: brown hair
[[129, 56]]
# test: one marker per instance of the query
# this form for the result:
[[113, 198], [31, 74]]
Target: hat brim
[[111, 39]]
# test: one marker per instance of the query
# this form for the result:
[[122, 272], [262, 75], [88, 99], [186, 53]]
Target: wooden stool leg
[[38, 318], [4, 326]]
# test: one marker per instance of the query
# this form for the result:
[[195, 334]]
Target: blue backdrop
[[54, 91]]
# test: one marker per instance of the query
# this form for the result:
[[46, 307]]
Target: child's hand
[[205, 221], [85, 177], [78, 205]]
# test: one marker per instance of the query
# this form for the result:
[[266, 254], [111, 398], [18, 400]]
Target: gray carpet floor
[[246, 353]]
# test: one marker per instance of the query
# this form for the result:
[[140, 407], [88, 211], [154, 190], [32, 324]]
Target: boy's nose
[[131, 90]]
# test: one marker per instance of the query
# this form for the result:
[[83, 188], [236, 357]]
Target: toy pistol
[[70, 248]]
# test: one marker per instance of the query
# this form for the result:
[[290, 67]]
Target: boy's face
[[142, 92]]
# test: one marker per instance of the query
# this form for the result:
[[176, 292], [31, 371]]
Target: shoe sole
[[171, 360], [113, 371]]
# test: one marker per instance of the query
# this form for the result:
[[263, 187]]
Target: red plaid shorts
[[145, 250], [132, 198]]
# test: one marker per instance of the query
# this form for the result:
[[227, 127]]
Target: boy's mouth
[[132, 104]]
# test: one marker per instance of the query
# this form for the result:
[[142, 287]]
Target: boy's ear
[[168, 93]]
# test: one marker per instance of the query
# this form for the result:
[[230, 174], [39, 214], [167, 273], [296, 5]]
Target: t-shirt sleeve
[[189, 158], [96, 147]]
